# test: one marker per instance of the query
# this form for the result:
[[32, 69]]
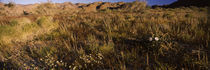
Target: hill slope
[[187, 3]]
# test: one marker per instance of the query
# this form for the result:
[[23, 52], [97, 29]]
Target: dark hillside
[[187, 3]]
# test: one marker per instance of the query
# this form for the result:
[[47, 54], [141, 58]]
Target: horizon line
[[40, 2]]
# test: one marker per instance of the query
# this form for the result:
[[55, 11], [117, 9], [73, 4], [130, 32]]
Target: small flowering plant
[[153, 43], [153, 39]]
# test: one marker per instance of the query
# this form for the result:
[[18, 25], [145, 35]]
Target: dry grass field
[[103, 36]]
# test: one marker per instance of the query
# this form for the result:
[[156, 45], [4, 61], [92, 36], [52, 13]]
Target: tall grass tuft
[[23, 29]]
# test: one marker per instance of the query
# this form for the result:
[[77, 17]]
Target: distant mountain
[[187, 3]]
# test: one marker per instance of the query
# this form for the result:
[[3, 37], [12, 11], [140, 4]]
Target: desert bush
[[10, 5], [25, 13]]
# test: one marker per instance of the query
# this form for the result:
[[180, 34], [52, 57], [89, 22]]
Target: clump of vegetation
[[25, 13], [24, 29], [46, 9], [10, 4]]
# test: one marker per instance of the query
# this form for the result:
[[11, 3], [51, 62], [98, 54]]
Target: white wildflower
[[74, 67], [150, 38], [157, 39]]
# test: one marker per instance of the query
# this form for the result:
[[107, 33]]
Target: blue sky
[[150, 2]]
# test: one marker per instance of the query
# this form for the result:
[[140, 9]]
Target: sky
[[150, 2]]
